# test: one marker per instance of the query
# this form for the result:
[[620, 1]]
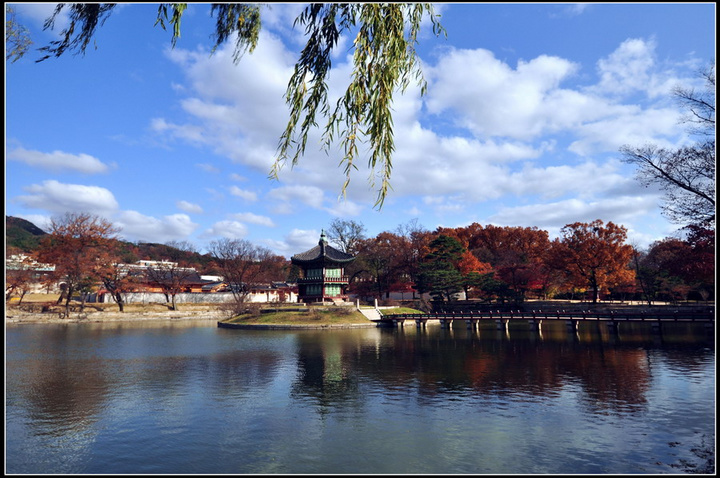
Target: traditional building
[[323, 273]]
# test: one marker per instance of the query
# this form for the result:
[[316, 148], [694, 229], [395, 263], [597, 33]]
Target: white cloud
[[628, 68], [37, 13], [493, 99], [189, 207], [222, 114], [345, 208], [295, 242], [288, 196], [558, 214], [254, 219], [138, 226], [59, 161], [243, 193], [227, 229], [208, 168], [57, 197], [634, 126]]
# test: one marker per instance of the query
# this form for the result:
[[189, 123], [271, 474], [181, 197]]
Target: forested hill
[[26, 236], [22, 234]]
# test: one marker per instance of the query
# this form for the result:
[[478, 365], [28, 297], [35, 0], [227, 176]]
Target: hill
[[26, 236], [22, 234]]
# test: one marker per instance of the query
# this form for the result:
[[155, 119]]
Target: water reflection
[[173, 386]]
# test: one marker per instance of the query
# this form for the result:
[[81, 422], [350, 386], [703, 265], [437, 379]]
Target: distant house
[[274, 292], [151, 279]]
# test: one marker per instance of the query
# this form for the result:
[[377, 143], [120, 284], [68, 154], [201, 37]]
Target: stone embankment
[[19, 316]]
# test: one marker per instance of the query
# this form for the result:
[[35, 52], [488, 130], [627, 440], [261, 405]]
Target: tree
[[244, 265], [346, 234], [19, 273], [686, 174], [17, 37], [171, 278], [78, 246], [411, 248], [473, 272], [384, 59], [117, 280], [593, 255], [439, 274], [377, 256], [677, 267]]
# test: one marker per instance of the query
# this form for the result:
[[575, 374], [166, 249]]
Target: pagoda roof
[[323, 252]]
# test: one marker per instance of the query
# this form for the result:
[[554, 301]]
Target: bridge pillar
[[612, 325], [572, 325], [446, 323], [421, 323], [399, 322], [535, 324], [656, 327], [501, 324], [471, 323]]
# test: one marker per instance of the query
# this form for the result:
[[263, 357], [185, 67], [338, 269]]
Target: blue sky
[[526, 108]]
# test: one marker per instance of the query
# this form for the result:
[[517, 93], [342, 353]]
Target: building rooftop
[[323, 252]]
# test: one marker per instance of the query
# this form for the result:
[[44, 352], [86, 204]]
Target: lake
[[187, 397]]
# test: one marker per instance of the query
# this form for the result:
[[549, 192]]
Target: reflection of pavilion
[[323, 273]]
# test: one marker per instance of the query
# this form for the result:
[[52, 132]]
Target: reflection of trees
[[70, 375], [59, 398], [612, 376], [326, 368]]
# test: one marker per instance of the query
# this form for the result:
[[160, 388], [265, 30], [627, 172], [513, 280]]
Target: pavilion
[[323, 273]]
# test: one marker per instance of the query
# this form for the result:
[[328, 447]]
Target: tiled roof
[[322, 253]]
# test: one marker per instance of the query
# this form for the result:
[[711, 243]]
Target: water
[[186, 397]]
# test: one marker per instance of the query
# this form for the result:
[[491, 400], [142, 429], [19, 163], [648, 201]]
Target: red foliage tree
[[79, 246], [593, 255]]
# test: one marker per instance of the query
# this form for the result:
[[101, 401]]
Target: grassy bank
[[313, 316], [308, 316], [38, 308]]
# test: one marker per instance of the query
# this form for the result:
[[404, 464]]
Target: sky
[[526, 109]]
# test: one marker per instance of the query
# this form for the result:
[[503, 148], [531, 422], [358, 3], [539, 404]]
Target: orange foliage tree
[[79, 246], [516, 254], [593, 255]]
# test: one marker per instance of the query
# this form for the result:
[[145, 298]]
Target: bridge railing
[[585, 315]]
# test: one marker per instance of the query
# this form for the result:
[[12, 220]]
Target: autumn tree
[[411, 247], [385, 62], [516, 254], [171, 277], [118, 280], [244, 265], [593, 255], [19, 273], [377, 256], [686, 174], [78, 244], [474, 273], [675, 267]]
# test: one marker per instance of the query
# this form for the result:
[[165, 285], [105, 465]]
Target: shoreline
[[20, 317]]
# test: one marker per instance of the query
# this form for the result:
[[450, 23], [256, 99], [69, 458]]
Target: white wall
[[199, 298]]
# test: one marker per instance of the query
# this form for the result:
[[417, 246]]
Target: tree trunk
[[119, 301], [67, 301]]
